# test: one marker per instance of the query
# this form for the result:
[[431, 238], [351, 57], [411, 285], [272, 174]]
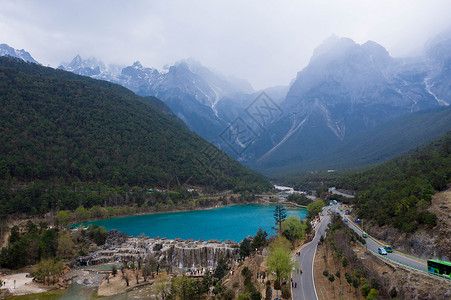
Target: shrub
[[229, 295], [373, 295], [114, 270], [286, 294], [427, 218], [268, 292], [331, 278], [256, 295], [365, 289], [344, 262], [245, 272], [244, 297]]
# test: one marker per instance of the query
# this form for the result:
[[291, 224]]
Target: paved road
[[306, 288], [373, 245], [333, 190]]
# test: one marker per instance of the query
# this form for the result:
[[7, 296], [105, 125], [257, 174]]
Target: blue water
[[231, 222]]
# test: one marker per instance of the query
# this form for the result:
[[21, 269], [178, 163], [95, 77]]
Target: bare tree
[[146, 271]]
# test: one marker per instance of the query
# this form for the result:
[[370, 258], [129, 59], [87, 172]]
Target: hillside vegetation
[[64, 132], [399, 191]]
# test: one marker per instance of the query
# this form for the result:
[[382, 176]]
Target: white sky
[[265, 42]]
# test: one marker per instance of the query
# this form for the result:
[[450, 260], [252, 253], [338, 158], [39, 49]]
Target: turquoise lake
[[231, 222]]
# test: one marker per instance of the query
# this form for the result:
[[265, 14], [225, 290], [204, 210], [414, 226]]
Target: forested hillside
[[58, 129], [398, 191]]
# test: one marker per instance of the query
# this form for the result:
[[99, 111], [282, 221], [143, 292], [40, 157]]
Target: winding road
[[305, 282], [373, 245]]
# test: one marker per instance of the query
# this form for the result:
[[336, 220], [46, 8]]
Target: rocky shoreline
[[167, 252]]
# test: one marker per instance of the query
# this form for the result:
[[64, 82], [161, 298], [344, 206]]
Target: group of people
[[262, 277], [196, 272], [294, 284]]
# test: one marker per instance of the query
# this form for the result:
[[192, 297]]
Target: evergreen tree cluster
[[399, 191], [59, 128], [37, 243]]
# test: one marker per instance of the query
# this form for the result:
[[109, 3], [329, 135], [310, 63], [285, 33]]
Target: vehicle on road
[[364, 234], [346, 220], [382, 251], [439, 267], [388, 248]]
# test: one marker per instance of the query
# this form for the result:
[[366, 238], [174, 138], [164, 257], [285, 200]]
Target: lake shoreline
[[219, 205], [221, 222]]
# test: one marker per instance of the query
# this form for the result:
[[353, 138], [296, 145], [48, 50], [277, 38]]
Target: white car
[[382, 251]]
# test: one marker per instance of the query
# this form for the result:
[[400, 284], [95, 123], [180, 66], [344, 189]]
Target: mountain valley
[[345, 94]]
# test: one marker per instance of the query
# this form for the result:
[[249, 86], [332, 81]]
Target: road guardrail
[[406, 265]]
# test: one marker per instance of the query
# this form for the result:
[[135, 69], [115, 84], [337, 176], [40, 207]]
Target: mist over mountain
[[346, 90], [438, 54]]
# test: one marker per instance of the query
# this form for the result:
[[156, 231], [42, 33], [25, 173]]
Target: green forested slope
[[398, 191], [59, 128]]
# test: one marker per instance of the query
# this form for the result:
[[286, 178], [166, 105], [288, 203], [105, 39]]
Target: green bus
[[439, 267]]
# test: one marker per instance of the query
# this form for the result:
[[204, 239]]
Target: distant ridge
[[57, 126]]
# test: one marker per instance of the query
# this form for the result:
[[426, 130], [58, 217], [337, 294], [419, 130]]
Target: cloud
[[266, 42]]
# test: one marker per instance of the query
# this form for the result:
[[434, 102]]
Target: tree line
[[399, 191], [57, 129]]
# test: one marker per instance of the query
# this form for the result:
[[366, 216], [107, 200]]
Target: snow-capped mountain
[[6, 50], [191, 90], [345, 89], [187, 76], [92, 67], [438, 56]]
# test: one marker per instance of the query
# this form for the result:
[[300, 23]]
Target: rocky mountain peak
[[87, 67], [76, 61], [137, 65], [331, 48], [6, 50]]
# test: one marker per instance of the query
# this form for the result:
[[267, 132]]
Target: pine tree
[[280, 215]]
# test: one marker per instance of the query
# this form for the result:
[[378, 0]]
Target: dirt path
[[20, 284]]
